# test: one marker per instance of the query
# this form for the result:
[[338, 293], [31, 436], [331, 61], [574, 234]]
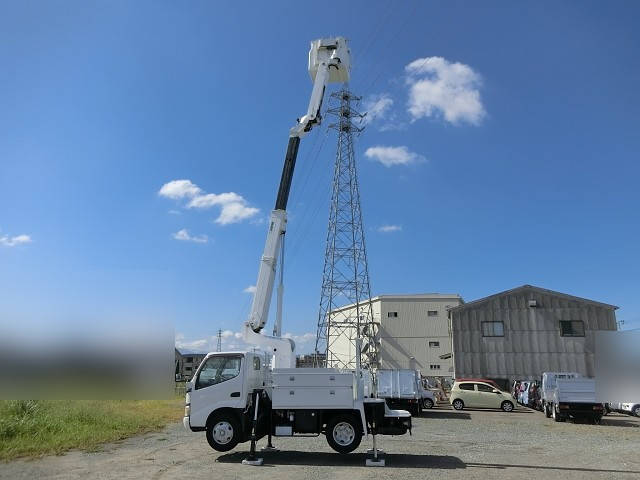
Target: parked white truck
[[240, 396], [403, 388], [569, 395], [222, 397]]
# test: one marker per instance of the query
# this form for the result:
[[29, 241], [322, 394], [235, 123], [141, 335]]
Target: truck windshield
[[218, 369]]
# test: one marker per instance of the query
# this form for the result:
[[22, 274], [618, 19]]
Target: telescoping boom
[[329, 62]]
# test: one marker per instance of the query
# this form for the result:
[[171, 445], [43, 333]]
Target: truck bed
[[576, 390], [309, 388]]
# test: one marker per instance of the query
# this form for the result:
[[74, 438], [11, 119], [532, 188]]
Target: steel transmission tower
[[345, 280]]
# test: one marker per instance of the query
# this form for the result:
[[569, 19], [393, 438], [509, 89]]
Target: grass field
[[33, 428]]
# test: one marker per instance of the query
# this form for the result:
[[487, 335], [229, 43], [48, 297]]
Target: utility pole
[[219, 346], [345, 280]]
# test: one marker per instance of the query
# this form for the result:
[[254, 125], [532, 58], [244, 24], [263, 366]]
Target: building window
[[187, 369], [493, 329], [432, 313], [571, 328], [392, 314], [434, 344], [189, 359], [434, 367]]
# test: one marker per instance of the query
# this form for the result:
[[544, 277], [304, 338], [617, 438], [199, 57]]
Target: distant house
[[520, 333], [186, 364], [308, 361]]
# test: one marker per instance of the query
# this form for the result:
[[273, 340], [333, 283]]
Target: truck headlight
[[187, 399]]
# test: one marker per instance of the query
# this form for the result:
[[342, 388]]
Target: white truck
[[403, 388], [230, 387], [569, 395], [240, 396]]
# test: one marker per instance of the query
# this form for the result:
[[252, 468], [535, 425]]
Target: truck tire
[[507, 406], [556, 416], [223, 432], [427, 403], [457, 404], [636, 411], [344, 433]]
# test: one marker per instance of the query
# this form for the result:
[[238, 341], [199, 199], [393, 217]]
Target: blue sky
[[506, 154]]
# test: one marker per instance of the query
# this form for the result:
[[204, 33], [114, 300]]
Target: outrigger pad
[[257, 462]]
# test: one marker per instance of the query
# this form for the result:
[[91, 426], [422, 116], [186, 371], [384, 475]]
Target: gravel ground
[[445, 444]]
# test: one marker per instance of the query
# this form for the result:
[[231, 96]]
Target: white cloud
[[389, 156], [377, 107], [179, 189], [235, 212], [210, 199], [389, 228], [186, 237], [250, 289], [439, 87], [7, 241], [233, 207]]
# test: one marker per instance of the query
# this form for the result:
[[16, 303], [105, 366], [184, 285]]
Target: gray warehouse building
[[520, 333]]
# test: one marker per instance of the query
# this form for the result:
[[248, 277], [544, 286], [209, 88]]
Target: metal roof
[[535, 289]]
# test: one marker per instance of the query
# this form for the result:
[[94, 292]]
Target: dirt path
[[445, 444]]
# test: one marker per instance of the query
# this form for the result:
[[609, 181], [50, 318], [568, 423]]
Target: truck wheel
[[223, 432], [556, 416], [507, 406], [428, 403], [547, 410], [636, 411], [343, 433], [458, 404]]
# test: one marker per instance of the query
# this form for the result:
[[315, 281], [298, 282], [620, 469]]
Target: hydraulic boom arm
[[329, 62]]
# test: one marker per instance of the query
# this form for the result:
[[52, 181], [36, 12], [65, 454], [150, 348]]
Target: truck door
[[218, 383]]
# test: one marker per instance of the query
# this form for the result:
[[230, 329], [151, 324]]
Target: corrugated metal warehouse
[[414, 332], [520, 333]]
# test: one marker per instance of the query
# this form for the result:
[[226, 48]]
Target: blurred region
[[617, 360], [84, 360]]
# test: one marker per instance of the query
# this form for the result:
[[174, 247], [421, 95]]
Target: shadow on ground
[[395, 460], [444, 414], [327, 459]]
